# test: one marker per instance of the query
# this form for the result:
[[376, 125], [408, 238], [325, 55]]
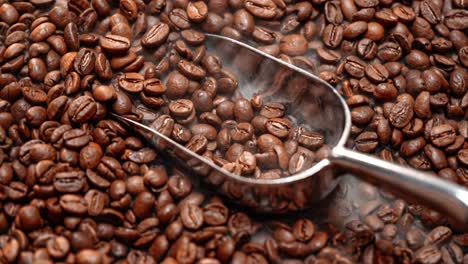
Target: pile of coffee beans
[[246, 137], [78, 187]]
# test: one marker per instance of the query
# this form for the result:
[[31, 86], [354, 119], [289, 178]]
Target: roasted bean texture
[[78, 187]]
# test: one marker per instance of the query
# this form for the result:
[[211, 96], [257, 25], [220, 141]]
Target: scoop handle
[[411, 184]]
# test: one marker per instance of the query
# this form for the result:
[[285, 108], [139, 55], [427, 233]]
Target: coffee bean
[[104, 93], [355, 66], [191, 216], [144, 155], [75, 138], [82, 109], [181, 107], [202, 101], [431, 12], [376, 72], [143, 205], [88, 255], [69, 182], [354, 29], [386, 91], [90, 156], [401, 114], [122, 104], [332, 35], [293, 45], [263, 35], [463, 156], [442, 135], [42, 32], [34, 95], [197, 11], [155, 36], [417, 59], [177, 85], [367, 49], [263, 9], [29, 218], [303, 230], [243, 21], [328, 56], [367, 141], [58, 247], [438, 236], [131, 82], [115, 44], [191, 70], [428, 254], [436, 156], [84, 61], [333, 13], [458, 82]]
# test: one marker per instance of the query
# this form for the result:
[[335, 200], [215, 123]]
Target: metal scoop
[[317, 105]]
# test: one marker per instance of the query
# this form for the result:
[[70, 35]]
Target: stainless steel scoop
[[318, 105]]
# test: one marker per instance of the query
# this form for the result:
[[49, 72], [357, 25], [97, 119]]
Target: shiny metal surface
[[318, 105]]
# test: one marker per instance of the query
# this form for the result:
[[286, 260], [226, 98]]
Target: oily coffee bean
[[84, 61], [69, 182], [155, 36], [293, 45], [332, 35], [263, 9], [354, 66], [131, 82], [82, 109], [115, 44], [442, 135]]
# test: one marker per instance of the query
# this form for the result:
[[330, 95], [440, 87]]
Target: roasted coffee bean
[[115, 44], [401, 114], [122, 104], [191, 70], [332, 35], [191, 216], [442, 135], [263, 9], [242, 110], [82, 109], [155, 36], [69, 182], [362, 115], [354, 66], [84, 61], [354, 29], [131, 82], [428, 254], [181, 108], [333, 13], [417, 59], [463, 156], [389, 51], [29, 218], [177, 85], [104, 93], [366, 141], [293, 45], [376, 73], [102, 67], [42, 32]]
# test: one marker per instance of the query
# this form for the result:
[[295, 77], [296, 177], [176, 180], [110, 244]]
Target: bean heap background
[[78, 187]]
